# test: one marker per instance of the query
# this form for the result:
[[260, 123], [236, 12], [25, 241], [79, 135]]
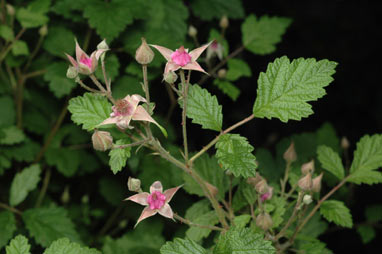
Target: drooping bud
[[224, 22], [307, 167], [10, 10], [222, 73], [192, 31], [43, 31], [290, 154], [345, 143], [170, 77], [72, 72], [307, 199], [264, 221], [254, 180], [305, 183], [317, 183], [262, 187], [102, 140], [144, 55], [65, 197], [134, 184]]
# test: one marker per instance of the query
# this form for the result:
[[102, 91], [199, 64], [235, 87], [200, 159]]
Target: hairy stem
[[101, 88], [190, 223], [285, 180], [184, 127]]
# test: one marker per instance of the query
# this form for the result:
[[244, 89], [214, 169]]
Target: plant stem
[[145, 82], [87, 88], [284, 181], [131, 145], [110, 221], [101, 88], [44, 188], [34, 53], [184, 120], [188, 222], [12, 209], [107, 81], [5, 51]]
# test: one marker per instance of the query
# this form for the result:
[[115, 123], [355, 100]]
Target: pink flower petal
[[80, 53], [166, 211], [110, 120], [170, 193], [170, 66], [147, 212], [99, 52], [140, 198], [141, 114], [194, 66], [166, 53], [72, 60], [156, 186], [124, 122], [198, 51]]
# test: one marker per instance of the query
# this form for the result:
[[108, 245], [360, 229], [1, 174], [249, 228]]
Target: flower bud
[[85, 199], [65, 197], [224, 22], [264, 221], [72, 72], [307, 167], [262, 187], [345, 143], [103, 45], [307, 199], [10, 10], [317, 183], [144, 55], [222, 73], [290, 154], [192, 31], [134, 184], [267, 195], [254, 180], [170, 77], [102, 140], [43, 31], [305, 183]]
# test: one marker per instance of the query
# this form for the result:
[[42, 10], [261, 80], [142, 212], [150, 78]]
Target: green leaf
[[367, 158], [59, 84], [64, 246], [331, 161], [267, 166], [208, 10], [237, 68], [197, 233], [260, 36], [314, 247], [286, 87], [242, 240], [242, 220], [119, 156], [31, 19], [203, 108], [59, 40], [227, 88], [278, 213], [111, 67], [326, 135], [20, 48], [109, 19], [8, 227], [367, 233], [336, 212], [89, 110], [6, 33], [7, 111], [182, 246], [18, 245], [67, 161], [49, 224], [23, 183], [235, 154], [25, 151], [12, 135]]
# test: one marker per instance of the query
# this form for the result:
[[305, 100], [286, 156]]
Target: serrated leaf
[[23, 183], [59, 40], [18, 245], [59, 84], [242, 220], [235, 154], [243, 241], [31, 19], [89, 110], [12, 135], [8, 227], [367, 158], [260, 36], [331, 161], [119, 156], [20, 48], [6, 33], [66, 161], [336, 212], [314, 247], [367, 233], [278, 213], [7, 111], [208, 218], [64, 246], [70, 9], [109, 19], [197, 209], [208, 10], [25, 151], [237, 68], [182, 246], [227, 88], [286, 87], [203, 108], [49, 224]]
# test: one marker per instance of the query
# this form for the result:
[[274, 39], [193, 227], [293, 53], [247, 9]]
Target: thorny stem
[[44, 188], [184, 127], [190, 223], [12, 209]]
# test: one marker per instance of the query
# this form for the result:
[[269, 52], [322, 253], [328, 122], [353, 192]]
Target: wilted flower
[[267, 195], [156, 201], [181, 59], [215, 49], [83, 63]]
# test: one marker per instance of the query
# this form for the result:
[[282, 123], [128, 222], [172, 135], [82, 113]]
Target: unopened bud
[[144, 55], [192, 31], [254, 180], [222, 73], [345, 144], [103, 45], [290, 154], [122, 224], [307, 168], [264, 221], [305, 183], [267, 195], [65, 197], [170, 77], [85, 199], [10, 10], [224, 22], [307, 199], [262, 187], [102, 140], [317, 183], [43, 31], [134, 184], [72, 72]]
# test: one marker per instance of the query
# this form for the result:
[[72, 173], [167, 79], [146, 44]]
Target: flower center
[[181, 57], [122, 108], [156, 200], [86, 61]]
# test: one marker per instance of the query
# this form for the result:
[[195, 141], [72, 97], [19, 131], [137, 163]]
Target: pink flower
[[83, 63], [267, 195], [156, 201], [215, 49], [181, 59]]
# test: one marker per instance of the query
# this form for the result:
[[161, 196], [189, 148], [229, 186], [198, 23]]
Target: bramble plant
[[226, 197]]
